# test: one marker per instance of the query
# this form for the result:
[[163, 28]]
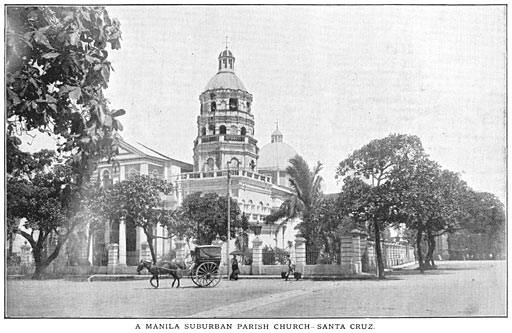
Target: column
[[113, 252], [300, 255], [122, 241], [356, 252], [257, 256], [122, 173], [145, 253], [180, 250], [90, 251], [346, 255]]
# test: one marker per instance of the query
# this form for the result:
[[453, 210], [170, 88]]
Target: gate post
[[356, 252], [300, 255], [257, 256], [113, 252]]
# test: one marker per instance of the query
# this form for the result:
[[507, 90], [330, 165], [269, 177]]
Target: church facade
[[225, 144]]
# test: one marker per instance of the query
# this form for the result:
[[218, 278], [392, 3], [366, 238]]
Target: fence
[[274, 258], [319, 258]]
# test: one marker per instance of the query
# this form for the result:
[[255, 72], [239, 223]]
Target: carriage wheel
[[193, 276], [207, 275]]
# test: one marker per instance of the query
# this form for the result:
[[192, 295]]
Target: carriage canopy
[[208, 253]]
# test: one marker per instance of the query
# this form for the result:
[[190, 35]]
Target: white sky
[[336, 77]]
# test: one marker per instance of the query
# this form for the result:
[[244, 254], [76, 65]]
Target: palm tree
[[306, 184]]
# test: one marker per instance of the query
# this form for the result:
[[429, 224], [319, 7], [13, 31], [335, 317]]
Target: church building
[[225, 144]]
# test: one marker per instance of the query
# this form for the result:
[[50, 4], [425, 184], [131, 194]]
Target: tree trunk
[[378, 251], [429, 258], [419, 235], [149, 238]]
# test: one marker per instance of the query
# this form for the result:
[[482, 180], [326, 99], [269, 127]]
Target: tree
[[139, 200], [42, 198], [330, 220], [56, 69], [209, 213], [379, 163], [55, 72], [306, 184]]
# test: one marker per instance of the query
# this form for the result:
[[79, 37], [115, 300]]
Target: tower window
[[203, 131], [231, 63], [252, 165], [213, 107], [233, 104], [243, 131], [222, 129], [248, 106], [234, 163], [210, 164], [225, 63], [219, 64], [234, 130], [211, 130]]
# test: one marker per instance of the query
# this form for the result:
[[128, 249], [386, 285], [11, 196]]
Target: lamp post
[[229, 221]]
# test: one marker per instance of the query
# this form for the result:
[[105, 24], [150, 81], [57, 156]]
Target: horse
[[165, 267]]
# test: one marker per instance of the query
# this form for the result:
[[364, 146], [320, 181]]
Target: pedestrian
[[234, 269], [291, 267]]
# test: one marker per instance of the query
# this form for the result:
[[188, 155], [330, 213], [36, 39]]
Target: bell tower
[[225, 125]]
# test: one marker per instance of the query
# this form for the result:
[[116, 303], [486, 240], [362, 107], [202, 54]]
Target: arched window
[[211, 130], [203, 131], [132, 173], [252, 165], [210, 164], [155, 174], [230, 63], [243, 131], [222, 129], [251, 205], [213, 107], [234, 130], [233, 104], [105, 178], [234, 163]]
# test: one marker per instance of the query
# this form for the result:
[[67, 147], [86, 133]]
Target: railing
[[317, 258], [224, 173], [273, 258]]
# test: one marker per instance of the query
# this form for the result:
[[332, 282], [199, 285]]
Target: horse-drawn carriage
[[204, 271]]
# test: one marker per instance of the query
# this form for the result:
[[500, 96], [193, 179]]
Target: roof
[[275, 156], [225, 80], [145, 150]]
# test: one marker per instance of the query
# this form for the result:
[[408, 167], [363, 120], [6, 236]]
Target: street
[[455, 289]]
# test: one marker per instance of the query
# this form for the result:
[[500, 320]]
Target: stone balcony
[[224, 173]]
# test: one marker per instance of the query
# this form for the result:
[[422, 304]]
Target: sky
[[334, 77]]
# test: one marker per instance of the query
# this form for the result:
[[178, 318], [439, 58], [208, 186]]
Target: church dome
[[225, 80], [226, 77], [276, 154]]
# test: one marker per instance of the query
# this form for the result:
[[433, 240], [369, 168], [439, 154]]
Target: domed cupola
[[226, 123], [226, 61], [274, 158], [226, 77]]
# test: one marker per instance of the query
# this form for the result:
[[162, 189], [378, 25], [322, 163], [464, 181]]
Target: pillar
[[145, 253], [346, 255], [223, 245], [113, 253], [180, 250], [300, 255], [356, 252], [257, 256], [122, 241]]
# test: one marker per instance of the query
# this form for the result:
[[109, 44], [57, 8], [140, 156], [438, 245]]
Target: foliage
[[138, 199], [306, 184], [272, 256], [56, 68], [208, 212], [46, 199], [380, 163]]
